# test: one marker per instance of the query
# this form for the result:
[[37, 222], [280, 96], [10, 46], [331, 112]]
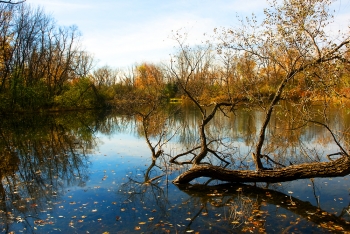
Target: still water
[[93, 172]]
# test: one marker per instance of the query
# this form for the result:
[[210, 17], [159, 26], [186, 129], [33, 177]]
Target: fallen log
[[339, 167]]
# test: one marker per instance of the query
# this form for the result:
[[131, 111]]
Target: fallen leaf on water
[[137, 228], [338, 228], [142, 223]]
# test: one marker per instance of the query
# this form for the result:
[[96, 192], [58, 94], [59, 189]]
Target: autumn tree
[[292, 39], [37, 58], [190, 69], [148, 76]]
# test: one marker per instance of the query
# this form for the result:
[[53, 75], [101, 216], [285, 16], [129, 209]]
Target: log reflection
[[240, 205]]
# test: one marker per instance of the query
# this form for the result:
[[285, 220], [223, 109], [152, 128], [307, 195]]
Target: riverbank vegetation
[[43, 66]]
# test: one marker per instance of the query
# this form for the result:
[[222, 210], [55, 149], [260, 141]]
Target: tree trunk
[[276, 99], [339, 167]]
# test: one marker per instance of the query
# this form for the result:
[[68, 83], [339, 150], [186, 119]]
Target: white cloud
[[121, 33], [60, 6]]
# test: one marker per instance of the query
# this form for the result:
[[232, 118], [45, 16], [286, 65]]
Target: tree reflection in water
[[243, 208], [146, 190], [40, 156]]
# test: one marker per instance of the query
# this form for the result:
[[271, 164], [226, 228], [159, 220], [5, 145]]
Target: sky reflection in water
[[115, 199]]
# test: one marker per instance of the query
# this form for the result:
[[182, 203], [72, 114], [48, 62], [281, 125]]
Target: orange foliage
[[148, 75]]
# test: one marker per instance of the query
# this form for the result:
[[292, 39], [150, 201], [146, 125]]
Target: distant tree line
[[39, 61], [43, 67]]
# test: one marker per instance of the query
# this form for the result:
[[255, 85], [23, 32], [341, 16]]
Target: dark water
[[93, 172]]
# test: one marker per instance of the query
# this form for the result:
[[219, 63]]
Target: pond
[[93, 172]]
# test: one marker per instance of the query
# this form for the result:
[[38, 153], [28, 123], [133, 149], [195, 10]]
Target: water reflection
[[64, 162], [247, 208], [40, 157]]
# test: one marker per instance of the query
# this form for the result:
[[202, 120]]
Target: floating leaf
[[137, 228], [142, 223], [338, 228]]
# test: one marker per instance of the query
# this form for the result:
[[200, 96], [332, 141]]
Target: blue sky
[[120, 33]]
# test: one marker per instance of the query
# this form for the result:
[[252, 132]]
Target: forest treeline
[[43, 66]]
